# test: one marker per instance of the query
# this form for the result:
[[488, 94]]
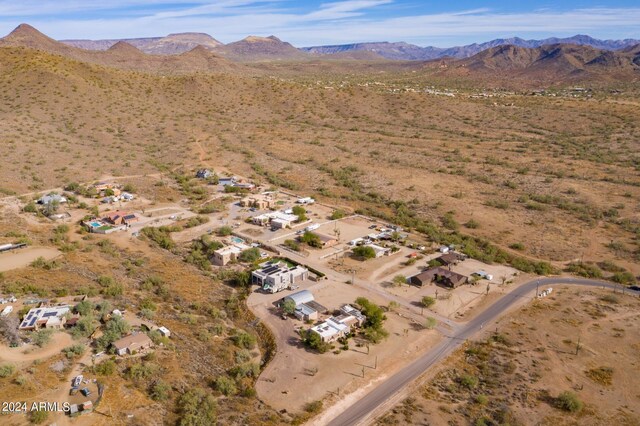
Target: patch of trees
[[301, 212], [364, 252], [373, 329], [161, 236], [311, 239], [250, 255]]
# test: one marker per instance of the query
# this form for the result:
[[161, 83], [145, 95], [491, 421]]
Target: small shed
[[164, 331]]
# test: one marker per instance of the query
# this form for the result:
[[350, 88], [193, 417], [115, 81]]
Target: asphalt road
[[364, 407]]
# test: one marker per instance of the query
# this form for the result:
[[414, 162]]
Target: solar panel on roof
[[33, 321], [49, 314]]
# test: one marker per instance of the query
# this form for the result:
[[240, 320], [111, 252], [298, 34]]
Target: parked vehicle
[[85, 391], [77, 380], [73, 391]]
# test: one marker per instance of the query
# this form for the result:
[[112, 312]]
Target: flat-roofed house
[[277, 276]]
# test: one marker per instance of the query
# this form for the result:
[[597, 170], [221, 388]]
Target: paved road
[[364, 408]]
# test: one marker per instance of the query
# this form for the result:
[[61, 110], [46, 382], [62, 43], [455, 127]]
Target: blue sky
[[306, 23]]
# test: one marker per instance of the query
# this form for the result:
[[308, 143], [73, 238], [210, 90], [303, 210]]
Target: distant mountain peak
[[258, 39], [124, 47]]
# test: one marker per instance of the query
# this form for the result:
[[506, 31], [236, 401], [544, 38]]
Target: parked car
[[73, 391], [77, 380], [635, 287], [85, 391], [373, 226]]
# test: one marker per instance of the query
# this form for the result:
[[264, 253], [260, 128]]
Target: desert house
[[52, 198], [119, 217], [307, 308], [450, 258], [53, 317], [327, 240], [274, 276], [339, 326], [132, 343], [439, 275], [277, 220]]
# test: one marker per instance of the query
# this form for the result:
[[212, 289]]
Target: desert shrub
[[610, 298], [224, 231], [250, 255], [364, 252], [472, 224], [469, 381], [583, 269], [38, 416], [74, 351], [292, 244], [196, 407], [7, 370], [244, 340], [311, 239], [517, 246], [226, 386], [313, 407], [568, 401], [601, 375], [625, 278], [160, 391], [427, 301], [105, 368], [160, 236], [41, 337], [337, 214], [430, 323]]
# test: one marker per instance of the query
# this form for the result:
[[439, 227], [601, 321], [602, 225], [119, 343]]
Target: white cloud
[[330, 23]]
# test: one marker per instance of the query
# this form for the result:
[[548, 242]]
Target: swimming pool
[[95, 224], [237, 240]]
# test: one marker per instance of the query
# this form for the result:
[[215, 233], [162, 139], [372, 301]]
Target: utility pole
[[487, 289], [363, 372], [578, 346], [537, 288], [375, 367]]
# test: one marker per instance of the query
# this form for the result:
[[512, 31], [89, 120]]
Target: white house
[[47, 317], [330, 330], [305, 200], [277, 276]]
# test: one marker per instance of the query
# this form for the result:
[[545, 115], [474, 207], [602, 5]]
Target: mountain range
[[503, 64], [254, 46]]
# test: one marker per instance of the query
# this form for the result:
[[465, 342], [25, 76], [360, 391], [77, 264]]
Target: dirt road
[[369, 407], [59, 341]]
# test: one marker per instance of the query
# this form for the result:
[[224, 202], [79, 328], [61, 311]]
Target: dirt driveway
[[59, 341]]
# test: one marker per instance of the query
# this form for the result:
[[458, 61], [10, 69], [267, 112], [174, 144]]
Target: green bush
[[196, 407], [74, 351], [224, 231], [250, 255], [42, 337], [364, 252], [105, 368], [226, 386], [244, 340], [568, 401], [468, 381], [7, 370], [311, 239], [428, 301]]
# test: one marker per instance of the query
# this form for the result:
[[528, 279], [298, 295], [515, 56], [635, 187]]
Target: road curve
[[360, 410]]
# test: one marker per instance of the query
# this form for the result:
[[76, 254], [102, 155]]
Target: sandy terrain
[[23, 257], [551, 345], [59, 341]]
